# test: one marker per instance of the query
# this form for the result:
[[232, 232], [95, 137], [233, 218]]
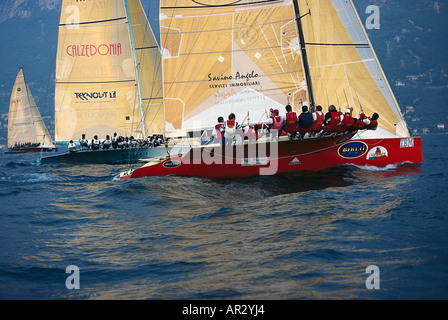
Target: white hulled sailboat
[[26, 129]]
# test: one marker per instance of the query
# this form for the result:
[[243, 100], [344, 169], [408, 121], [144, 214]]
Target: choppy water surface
[[303, 236]]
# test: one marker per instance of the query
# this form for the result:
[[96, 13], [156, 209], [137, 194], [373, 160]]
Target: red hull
[[288, 156]]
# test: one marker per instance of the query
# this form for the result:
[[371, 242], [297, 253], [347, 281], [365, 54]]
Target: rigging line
[[154, 80], [48, 85], [234, 4], [91, 22], [362, 45], [93, 82], [148, 41], [233, 51], [157, 65], [137, 74]]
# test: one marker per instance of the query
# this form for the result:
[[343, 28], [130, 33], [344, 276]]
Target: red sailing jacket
[[317, 125], [359, 124], [333, 124], [230, 123], [373, 124], [291, 122], [346, 123]]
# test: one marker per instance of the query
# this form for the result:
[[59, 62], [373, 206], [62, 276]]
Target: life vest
[[359, 124], [276, 123], [83, 143], [72, 147], [373, 124], [346, 123], [95, 144], [107, 144], [332, 125], [229, 131], [218, 132], [291, 122], [317, 124]]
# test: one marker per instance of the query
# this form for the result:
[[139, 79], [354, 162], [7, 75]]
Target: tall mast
[[140, 103], [304, 55]]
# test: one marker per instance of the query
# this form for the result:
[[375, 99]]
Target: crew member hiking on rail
[[347, 121], [305, 121], [275, 122], [83, 142], [290, 122], [318, 121], [332, 119]]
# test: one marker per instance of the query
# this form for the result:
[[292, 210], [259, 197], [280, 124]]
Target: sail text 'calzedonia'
[[108, 79]]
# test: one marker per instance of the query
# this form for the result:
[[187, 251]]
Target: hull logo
[[171, 164], [377, 152], [351, 150], [295, 161]]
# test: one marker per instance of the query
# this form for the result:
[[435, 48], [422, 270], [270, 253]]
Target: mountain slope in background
[[409, 44]]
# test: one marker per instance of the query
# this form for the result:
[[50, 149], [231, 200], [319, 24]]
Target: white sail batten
[[96, 80], [221, 58], [25, 124]]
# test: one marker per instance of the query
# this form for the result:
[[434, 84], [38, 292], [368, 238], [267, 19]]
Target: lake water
[[306, 236]]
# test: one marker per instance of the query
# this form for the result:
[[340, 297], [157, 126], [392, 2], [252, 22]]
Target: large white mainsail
[[106, 81], [25, 124], [221, 57], [343, 65]]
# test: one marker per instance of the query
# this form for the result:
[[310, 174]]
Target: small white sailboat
[[108, 80], [26, 129]]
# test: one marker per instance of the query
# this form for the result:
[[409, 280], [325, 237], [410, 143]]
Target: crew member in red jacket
[[372, 123], [332, 119], [318, 120], [275, 122], [347, 121], [290, 122]]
